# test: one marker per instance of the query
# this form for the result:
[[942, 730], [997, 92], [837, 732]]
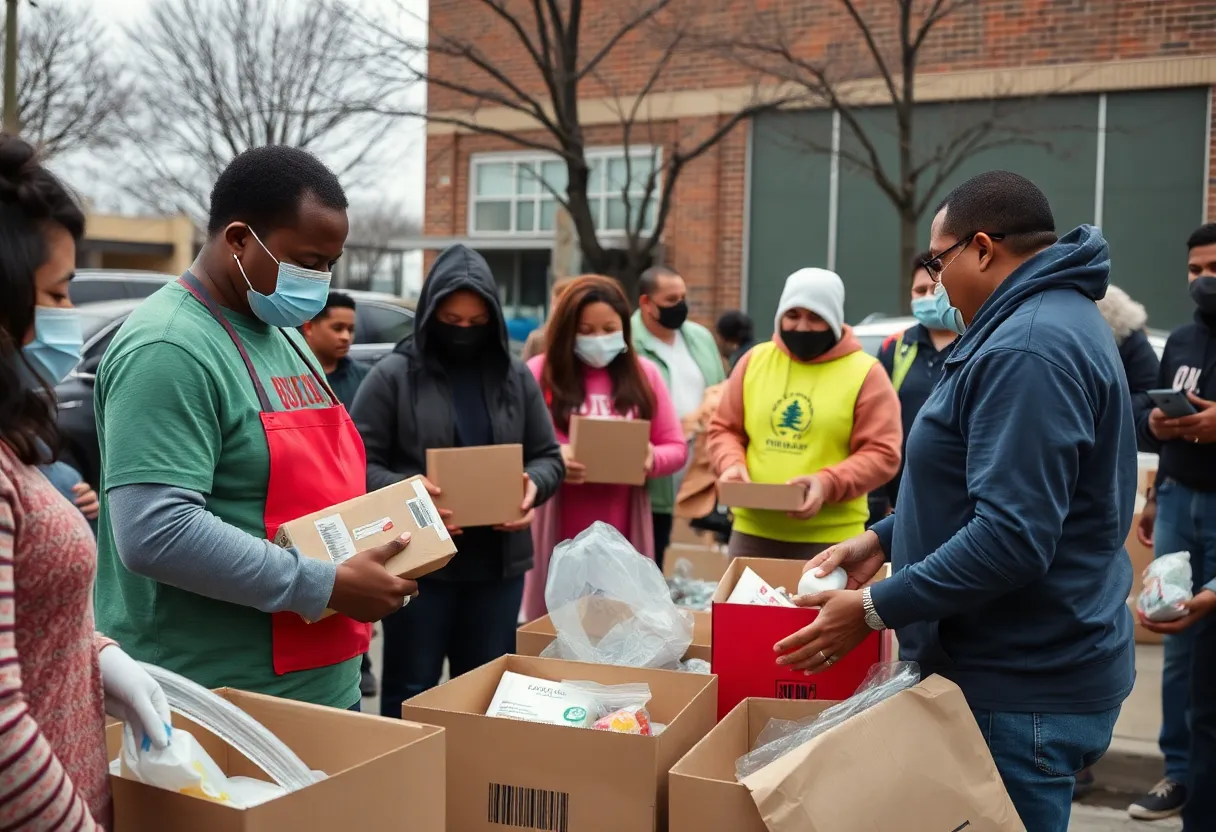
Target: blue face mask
[[57, 342], [299, 293], [944, 314]]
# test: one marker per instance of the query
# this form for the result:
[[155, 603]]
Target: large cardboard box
[[707, 561], [744, 635], [614, 450], [704, 793], [761, 495], [482, 486], [340, 532], [384, 775], [504, 773], [535, 636]]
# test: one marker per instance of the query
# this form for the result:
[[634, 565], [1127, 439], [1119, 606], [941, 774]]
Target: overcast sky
[[401, 181]]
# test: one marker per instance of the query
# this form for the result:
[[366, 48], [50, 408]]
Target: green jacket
[[705, 353]]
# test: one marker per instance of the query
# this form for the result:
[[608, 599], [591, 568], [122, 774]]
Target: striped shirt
[[53, 772]]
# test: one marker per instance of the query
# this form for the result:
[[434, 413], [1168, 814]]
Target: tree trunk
[[908, 247]]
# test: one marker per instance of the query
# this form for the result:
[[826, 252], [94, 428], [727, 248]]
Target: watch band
[[873, 619]]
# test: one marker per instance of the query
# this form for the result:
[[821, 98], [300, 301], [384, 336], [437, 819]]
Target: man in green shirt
[[186, 578]]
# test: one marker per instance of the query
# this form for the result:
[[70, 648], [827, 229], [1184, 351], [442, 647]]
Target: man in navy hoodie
[[1018, 491]]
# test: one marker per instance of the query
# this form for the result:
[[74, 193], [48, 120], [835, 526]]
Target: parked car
[[98, 285], [380, 322]]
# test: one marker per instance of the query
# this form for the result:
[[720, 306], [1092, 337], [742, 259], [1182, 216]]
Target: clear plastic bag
[[621, 708], [611, 605], [687, 591], [235, 727], [1167, 586], [781, 736]]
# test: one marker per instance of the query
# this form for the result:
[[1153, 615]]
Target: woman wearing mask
[[809, 408], [454, 384], [55, 671], [589, 370]]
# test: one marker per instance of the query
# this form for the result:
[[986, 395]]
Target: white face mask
[[599, 350]]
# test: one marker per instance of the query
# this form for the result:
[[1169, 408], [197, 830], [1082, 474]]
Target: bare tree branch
[[374, 230]]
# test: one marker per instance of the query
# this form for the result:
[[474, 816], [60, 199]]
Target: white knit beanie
[[818, 290]]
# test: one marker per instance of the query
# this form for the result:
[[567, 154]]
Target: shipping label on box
[[744, 635], [614, 450], [761, 495], [515, 774], [481, 486]]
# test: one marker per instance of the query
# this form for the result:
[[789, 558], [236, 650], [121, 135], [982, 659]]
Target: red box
[[744, 635]]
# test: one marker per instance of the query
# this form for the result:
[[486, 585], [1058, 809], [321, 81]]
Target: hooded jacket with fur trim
[[1126, 319]]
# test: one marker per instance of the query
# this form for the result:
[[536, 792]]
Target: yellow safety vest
[[799, 420]]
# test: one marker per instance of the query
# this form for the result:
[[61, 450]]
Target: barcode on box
[[424, 511], [529, 808], [422, 515], [335, 537], [795, 690]]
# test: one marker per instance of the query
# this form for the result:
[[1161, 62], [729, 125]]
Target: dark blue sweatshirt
[[1010, 574]]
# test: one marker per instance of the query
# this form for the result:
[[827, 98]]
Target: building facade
[[1113, 100]]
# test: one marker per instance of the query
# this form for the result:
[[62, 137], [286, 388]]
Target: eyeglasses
[[935, 267]]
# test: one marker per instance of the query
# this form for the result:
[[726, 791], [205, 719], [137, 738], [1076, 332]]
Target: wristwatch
[[873, 620]]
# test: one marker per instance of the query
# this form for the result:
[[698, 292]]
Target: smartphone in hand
[[1173, 403]]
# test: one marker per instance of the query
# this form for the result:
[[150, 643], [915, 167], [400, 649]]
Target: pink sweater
[[53, 770], [582, 505]]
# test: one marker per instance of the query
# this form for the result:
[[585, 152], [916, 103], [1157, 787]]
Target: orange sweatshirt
[[874, 448]]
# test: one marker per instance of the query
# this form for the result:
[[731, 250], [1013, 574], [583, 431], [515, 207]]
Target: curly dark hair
[[31, 199]]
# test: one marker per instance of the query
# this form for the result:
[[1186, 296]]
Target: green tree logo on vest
[[792, 416]]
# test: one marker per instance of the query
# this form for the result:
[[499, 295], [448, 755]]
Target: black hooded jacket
[[404, 406]]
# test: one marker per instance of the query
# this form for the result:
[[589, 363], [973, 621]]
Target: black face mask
[[1203, 292], [460, 342], [674, 316], [806, 346]]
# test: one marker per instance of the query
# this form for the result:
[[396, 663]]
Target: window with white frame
[[507, 197]]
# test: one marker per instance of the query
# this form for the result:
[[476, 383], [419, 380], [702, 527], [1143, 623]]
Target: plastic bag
[[619, 708], [781, 736], [1167, 586], [687, 591], [235, 727], [611, 605]]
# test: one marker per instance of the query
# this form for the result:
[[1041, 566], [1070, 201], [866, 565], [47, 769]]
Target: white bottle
[[812, 584]]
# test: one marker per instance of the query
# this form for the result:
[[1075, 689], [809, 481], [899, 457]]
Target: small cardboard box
[[704, 793], [481, 486], [506, 773], [340, 532], [382, 773], [761, 495], [535, 636], [614, 450], [744, 635]]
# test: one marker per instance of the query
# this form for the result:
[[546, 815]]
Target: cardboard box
[[481, 486], [340, 532], [704, 793], [614, 450], [761, 495], [504, 773], [708, 561], [535, 636], [744, 635], [382, 773]]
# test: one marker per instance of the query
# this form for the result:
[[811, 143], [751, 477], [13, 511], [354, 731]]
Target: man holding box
[[1010, 573]]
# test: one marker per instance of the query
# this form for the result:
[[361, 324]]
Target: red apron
[[316, 460]]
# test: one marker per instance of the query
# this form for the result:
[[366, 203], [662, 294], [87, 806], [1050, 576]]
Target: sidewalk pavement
[[1097, 819]]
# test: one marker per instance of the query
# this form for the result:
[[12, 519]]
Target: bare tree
[[566, 45], [221, 76], [375, 231], [71, 95], [877, 67]]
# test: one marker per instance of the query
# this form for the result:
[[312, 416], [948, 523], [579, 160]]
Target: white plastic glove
[[133, 696]]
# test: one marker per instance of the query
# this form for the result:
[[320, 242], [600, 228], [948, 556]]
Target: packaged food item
[[625, 721], [812, 584], [754, 590], [1167, 587], [540, 700]]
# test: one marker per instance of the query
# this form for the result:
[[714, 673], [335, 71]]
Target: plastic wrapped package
[[695, 666], [235, 727], [617, 708], [611, 605], [781, 736], [687, 591], [1167, 587]]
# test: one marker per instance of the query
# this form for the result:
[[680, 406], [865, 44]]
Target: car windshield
[[871, 343], [92, 322]]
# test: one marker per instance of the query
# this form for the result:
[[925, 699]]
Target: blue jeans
[[471, 623], [1186, 522], [1200, 812], [1038, 757]]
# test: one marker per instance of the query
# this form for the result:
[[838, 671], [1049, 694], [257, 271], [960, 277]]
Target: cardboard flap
[[923, 745]]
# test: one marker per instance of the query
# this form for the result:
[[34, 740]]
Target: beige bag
[[913, 763]]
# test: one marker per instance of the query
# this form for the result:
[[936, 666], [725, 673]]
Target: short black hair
[[336, 300], [1000, 202], [919, 261], [264, 187], [1204, 235], [649, 281], [735, 325]]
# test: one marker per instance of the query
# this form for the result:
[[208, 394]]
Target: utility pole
[[11, 121]]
